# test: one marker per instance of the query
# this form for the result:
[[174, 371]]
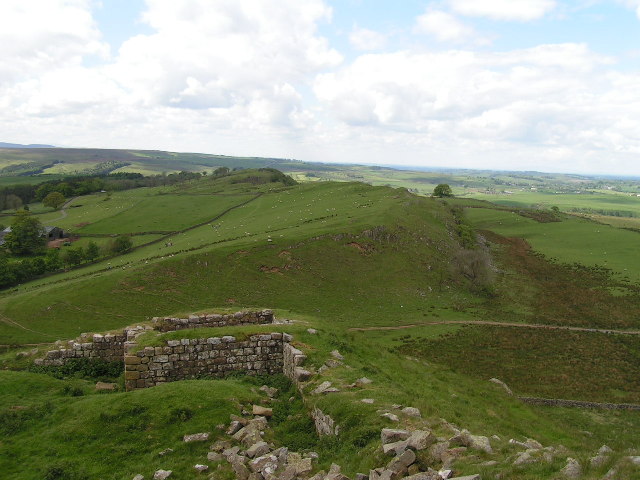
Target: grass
[[331, 256], [304, 250], [70, 435], [572, 365], [572, 240]]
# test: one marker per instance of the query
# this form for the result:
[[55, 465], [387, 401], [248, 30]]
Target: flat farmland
[[572, 240], [141, 210]]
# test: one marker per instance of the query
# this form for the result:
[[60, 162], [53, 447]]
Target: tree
[[221, 171], [73, 256], [92, 252], [26, 236], [442, 190], [52, 260], [121, 244], [54, 200]]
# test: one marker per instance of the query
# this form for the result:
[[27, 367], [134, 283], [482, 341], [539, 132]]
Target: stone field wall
[[169, 324], [109, 348], [214, 357]]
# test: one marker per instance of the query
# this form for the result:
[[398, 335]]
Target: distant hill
[[18, 145]]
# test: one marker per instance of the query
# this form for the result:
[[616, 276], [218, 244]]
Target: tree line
[[14, 197]]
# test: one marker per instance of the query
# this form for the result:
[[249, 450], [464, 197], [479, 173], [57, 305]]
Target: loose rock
[[390, 435], [196, 437], [411, 412], [572, 469], [162, 474], [262, 411], [391, 416], [257, 449]]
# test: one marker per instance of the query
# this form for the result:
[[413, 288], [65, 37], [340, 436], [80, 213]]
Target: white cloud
[[213, 55], [503, 106], [36, 36], [365, 39], [446, 27], [519, 10]]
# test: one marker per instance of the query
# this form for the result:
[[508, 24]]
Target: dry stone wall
[[215, 356], [170, 324], [109, 348]]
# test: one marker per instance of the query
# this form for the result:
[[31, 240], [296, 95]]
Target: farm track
[[63, 210], [500, 324]]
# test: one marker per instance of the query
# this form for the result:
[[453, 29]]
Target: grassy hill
[[376, 271]]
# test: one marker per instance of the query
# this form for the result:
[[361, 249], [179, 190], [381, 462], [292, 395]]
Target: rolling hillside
[[382, 275]]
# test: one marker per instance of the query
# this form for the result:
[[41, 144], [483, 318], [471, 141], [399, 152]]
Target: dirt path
[[501, 324], [63, 210]]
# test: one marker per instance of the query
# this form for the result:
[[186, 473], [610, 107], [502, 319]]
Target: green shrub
[[82, 368]]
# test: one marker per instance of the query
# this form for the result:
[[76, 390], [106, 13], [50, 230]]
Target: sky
[[546, 85]]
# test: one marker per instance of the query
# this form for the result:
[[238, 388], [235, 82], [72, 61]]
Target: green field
[[570, 240], [332, 256]]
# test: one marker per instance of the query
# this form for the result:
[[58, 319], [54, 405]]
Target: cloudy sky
[[548, 85]]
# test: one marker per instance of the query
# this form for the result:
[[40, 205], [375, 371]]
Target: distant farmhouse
[[52, 233]]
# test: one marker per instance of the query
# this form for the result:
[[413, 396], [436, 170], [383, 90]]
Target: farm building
[[52, 233]]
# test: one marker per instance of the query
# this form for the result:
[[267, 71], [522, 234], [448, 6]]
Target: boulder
[[477, 442], [525, 458], [534, 444], [321, 388], [634, 460], [162, 474], [318, 476], [421, 439], [424, 476], [240, 469], [390, 416], [289, 473], [258, 449], [411, 412], [312, 331], [391, 435], [399, 465], [266, 464], [336, 354], [196, 437], [572, 469], [230, 452], [301, 465], [368, 401], [395, 448], [262, 411], [138, 477], [214, 457], [601, 457], [234, 426], [437, 450], [335, 474], [220, 445], [361, 382], [201, 468], [451, 455], [270, 391]]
